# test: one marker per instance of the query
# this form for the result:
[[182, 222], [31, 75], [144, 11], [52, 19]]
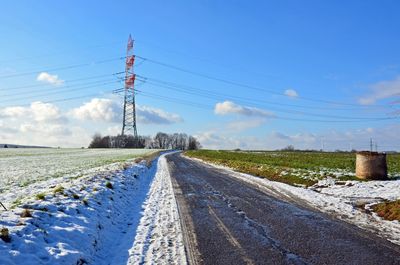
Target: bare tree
[[193, 144], [161, 140], [99, 142]]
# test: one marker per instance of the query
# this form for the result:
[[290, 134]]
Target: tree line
[[177, 141]]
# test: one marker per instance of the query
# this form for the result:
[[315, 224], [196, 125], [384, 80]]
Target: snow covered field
[[110, 214], [24, 171], [347, 200]]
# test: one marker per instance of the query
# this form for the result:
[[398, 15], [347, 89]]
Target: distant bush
[[288, 148]]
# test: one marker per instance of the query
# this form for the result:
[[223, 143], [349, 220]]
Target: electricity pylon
[[129, 115]]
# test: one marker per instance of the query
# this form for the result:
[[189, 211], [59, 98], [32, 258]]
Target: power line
[[60, 52], [249, 86], [211, 95], [66, 82], [60, 100], [207, 107], [196, 91], [225, 95], [67, 87], [66, 67], [187, 87], [175, 100], [59, 91]]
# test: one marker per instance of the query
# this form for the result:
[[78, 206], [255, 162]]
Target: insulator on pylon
[[130, 43], [130, 60], [129, 82]]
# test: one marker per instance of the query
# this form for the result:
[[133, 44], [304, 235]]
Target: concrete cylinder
[[371, 165]]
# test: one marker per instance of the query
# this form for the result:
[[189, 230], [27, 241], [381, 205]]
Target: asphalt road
[[226, 221]]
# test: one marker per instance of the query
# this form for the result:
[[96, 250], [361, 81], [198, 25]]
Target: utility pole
[[129, 115], [322, 144], [370, 144]]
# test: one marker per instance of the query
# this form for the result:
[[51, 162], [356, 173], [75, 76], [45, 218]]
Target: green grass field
[[302, 168]]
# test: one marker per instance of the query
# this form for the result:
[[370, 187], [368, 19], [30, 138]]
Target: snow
[[89, 221], [371, 190], [159, 236], [345, 201], [25, 171]]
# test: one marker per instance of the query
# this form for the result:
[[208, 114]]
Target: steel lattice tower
[[129, 116]]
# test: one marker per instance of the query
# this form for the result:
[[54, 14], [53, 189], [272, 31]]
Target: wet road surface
[[227, 221]]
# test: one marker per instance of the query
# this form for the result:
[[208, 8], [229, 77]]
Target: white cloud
[[46, 112], [114, 130], [229, 107], [107, 110], [45, 129], [50, 79], [244, 125], [214, 140], [5, 129], [38, 124], [149, 115], [381, 90], [44, 124], [13, 112], [98, 109], [37, 111], [291, 93]]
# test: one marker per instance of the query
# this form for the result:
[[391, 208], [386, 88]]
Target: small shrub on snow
[[59, 189], [109, 185], [4, 234], [75, 196], [26, 213], [20, 223], [40, 196]]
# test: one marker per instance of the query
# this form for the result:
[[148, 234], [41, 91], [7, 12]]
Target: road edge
[[193, 256]]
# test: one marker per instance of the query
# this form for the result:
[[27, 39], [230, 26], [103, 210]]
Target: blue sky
[[336, 61]]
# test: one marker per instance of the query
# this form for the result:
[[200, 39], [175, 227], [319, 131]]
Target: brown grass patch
[[149, 158], [388, 210]]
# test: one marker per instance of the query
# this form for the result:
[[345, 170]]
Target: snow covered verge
[[349, 201], [159, 237], [109, 217]]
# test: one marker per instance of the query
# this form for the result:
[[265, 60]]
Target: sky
[[257, 75]]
